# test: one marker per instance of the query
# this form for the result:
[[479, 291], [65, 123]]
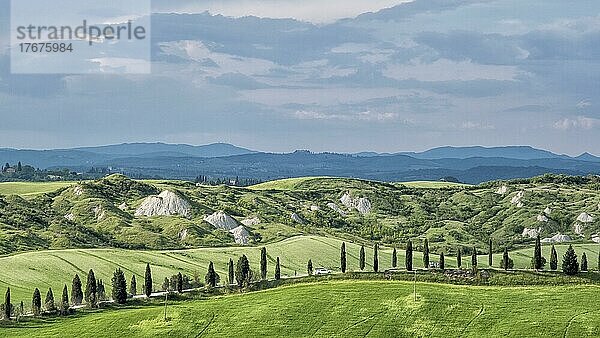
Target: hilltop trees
[[569, 262], [76, 292], [212, 278], [263, 263], [490, 257], [553, 259], [90, 290], [394, 258], [537, 262], [343, 257], [309, 267], [7, 305], [409, 256], [584, 262], [148, 281], [277, 270], [361, 259], [36, 302], [426, 254], [243, 274], [442, 262], [133, 286], [231, 272], [49, 302], [376, 258], [64, 301], [458, 258], [119, 287]]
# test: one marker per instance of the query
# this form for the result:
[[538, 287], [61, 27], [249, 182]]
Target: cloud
[[364, 116], [577, 123], [584, 104], [447, 70]]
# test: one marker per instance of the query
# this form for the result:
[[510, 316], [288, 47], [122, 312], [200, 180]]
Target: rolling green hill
[[350, 309]]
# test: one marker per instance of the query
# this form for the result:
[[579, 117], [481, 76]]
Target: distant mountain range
[[181, 161]]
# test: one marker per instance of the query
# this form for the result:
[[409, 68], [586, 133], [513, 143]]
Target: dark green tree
[[474, 258], [179, 284], [64, 301], [362, 259], [133, 286], [277, 270], [409, 256], [553, 259], [490, 255], [584, 262], [505, 259], [19, 166], [100, 291], [426, 254], [309, 267], [343, 257], [7, 305], [569, 262], [148, 281], [598, 260], [212, 277], [458, 258], [243, 275], [36, 302], [76, 291], [119, 287], [394, 258], [91, 290], [442, 262], [376, 258], [49, 302], [537, 254], [231, 272], [263, 263]]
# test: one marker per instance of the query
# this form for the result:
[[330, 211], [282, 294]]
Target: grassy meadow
[[349, 309], [31, 189]]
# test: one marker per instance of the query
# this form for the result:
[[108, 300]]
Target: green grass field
[[349, 309], [283, 184], [30, 189]]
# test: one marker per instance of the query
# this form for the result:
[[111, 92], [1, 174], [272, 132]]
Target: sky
[[345, 76]]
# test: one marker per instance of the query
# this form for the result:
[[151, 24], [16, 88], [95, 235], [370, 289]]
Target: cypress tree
[[277, 270], [553, 259], [64, 302], [376, 258], [309, 267], [7, 305], [474, 258], [148, 281], [490, 257], [343, 257], [569, 262], [537, 254], [100, 291], [361, 260], [263, 263], [21, 309], [36, 302], [133, 286], [179, 284], [409, 256], [394, 258], [458, 258], [119, 287], [442, 262], [505, 259], [426, 254], [76, 291], [231, 272], [49, 302], [598, 260], [584, 262], [91, 290], [243, 274], [212, 278]]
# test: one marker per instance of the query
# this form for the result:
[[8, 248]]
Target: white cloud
[[577, 123], [447, 70], [366, 116], [584, 104]]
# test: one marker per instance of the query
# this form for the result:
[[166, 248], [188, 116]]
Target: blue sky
[[347, 76]]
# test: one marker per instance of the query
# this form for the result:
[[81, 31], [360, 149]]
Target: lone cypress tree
[[119, 287], [133, 286], [231, 272], [458, 258], [584, 263], [343, 257], [376, 258], [361, 259], [242, 272], [36, 302], [537, 254], [64, 301], [7, 305], [277, 270], [49, 302], [505, 259], [474, 258], [309, 267], [148, 281], [490, 257], [179, 284], [263, 263], [212, 278], [91, 290], [569, 262], [553, 259], [442, 261], [76, 292], [426, 254], [394, 258], [408, 260]]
